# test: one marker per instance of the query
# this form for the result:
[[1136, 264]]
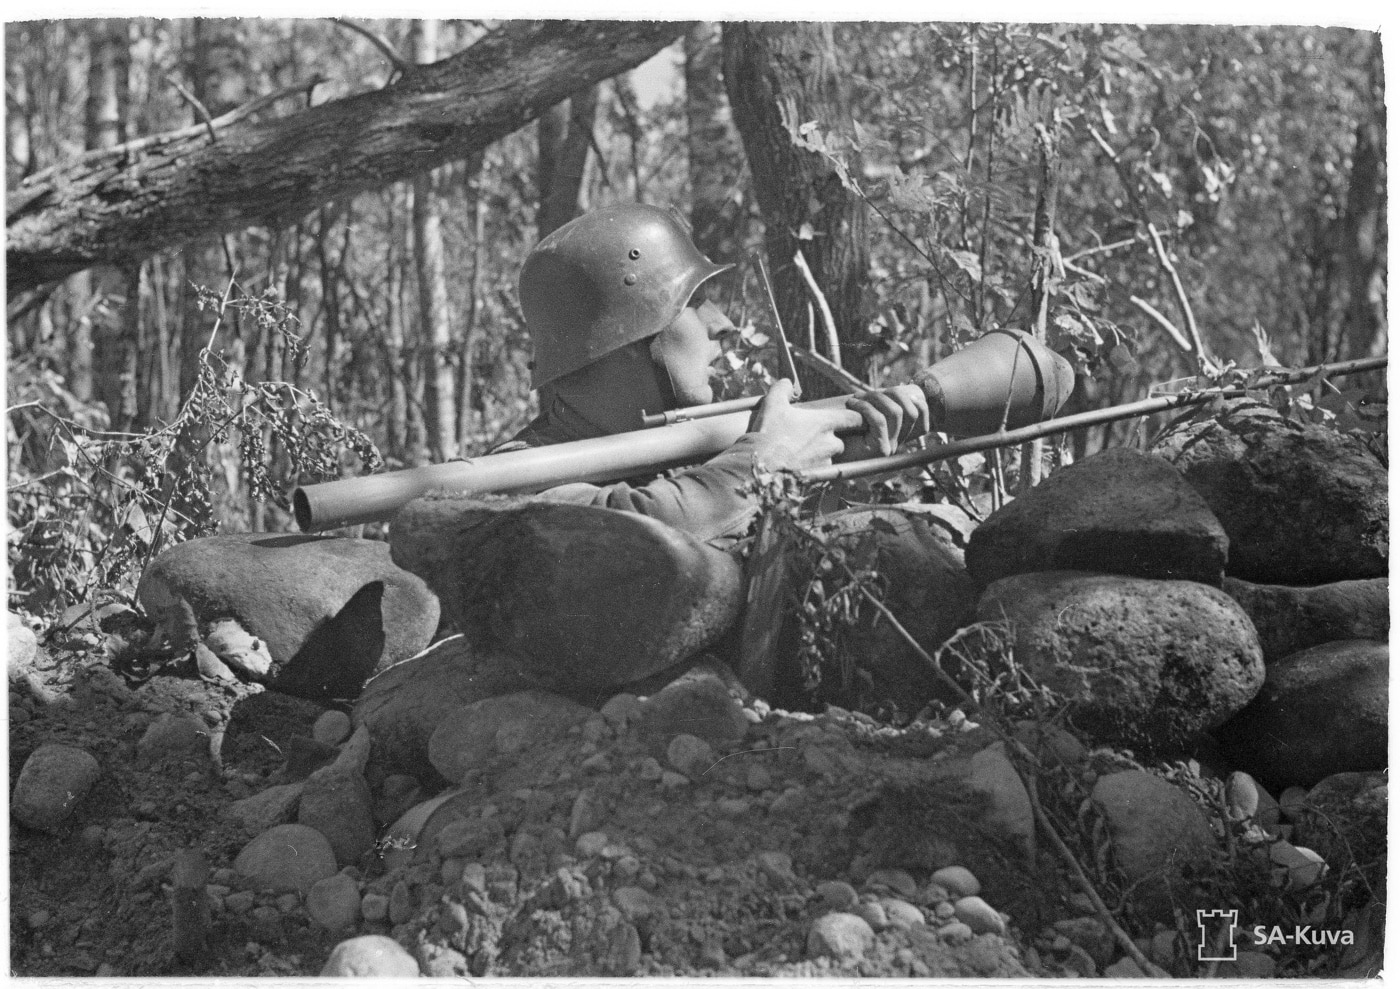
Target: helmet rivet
[[629, 279], [634, 254]]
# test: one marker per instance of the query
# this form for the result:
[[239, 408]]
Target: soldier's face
[[686, 349]]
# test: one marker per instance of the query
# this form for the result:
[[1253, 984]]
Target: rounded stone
[[54, 778], [841, 936], [287, 857], [374, 907], [370, 956], [836, 894], [873, 914], [591, 844], [173, 736], [1155, 830], [896, 881], [337, 803], [900, 913], [1321, 711], [690, 755], [978, 914], [331, 728], [334, 902], [1149, 664], [331, 610], [958, 881]]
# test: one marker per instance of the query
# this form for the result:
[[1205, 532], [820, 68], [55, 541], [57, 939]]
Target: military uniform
[[707, 501]]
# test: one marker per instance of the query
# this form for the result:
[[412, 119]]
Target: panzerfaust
[[1004, 380]]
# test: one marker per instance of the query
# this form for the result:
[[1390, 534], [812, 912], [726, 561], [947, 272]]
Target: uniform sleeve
[[707, 501]]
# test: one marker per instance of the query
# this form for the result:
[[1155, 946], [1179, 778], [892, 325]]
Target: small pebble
[[596, 763], [778, 865], [649, 770], [591, 843], [239, 902], [956, 932], [105, 971], [873, 914], [842, 936], [900, 913], [626, 868], [758, 778], [331, 728], [788, 802], [401, 903], [840, 895], [474, 876], [621, 710], [690, 755], [37, 919], [978, 914], [374, 907], [334, 902], [897, 881], [288, 902], [634, 902], [372, 955], [959, 882], [1123, 968], [732, 806], [673, 780], [267, 915]]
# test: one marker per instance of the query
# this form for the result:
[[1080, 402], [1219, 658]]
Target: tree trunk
[[466, 381], [804, 204], [163, 191], [715, 155], [1363, 229], [105, 345], [431, 269], [565, 136]]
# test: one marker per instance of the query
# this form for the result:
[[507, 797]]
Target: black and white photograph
[[573, 495]]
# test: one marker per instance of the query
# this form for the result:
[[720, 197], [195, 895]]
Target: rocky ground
[[754, 843]]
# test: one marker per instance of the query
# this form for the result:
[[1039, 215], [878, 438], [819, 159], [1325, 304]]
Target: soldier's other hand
[[892, 416], [792, 437]]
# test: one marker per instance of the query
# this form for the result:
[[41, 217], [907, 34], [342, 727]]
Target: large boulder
[[1301, 504], [1291, 619], [331, 611], [403, 705], [1321, 711], [1157, 835], [1144, 663], [1119, 511], [584, 599]]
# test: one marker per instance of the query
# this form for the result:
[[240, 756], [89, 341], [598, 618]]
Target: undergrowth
[[89, 508]]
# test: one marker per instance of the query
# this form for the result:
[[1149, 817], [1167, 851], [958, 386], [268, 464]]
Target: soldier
[[618, 332]]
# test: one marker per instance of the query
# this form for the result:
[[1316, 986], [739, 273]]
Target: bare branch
[[833, 342], [400, 65]]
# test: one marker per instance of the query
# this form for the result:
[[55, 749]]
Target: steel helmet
[[606, 279]]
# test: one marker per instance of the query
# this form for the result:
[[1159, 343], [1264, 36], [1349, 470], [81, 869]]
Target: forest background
[[272, 293]]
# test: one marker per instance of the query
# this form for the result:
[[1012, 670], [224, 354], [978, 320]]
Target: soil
[[596, 861]]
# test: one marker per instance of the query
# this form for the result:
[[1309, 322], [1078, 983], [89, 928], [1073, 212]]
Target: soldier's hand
[[891, 416], [792, 437]]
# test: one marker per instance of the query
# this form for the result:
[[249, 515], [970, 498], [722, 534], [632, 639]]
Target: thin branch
[[400, 65], [834, 373], [1163, 322], [1100, 249], [1125, 178], [199, 108], [833, 341]]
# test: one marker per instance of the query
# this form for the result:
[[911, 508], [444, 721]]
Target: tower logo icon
[[1214, 923]]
